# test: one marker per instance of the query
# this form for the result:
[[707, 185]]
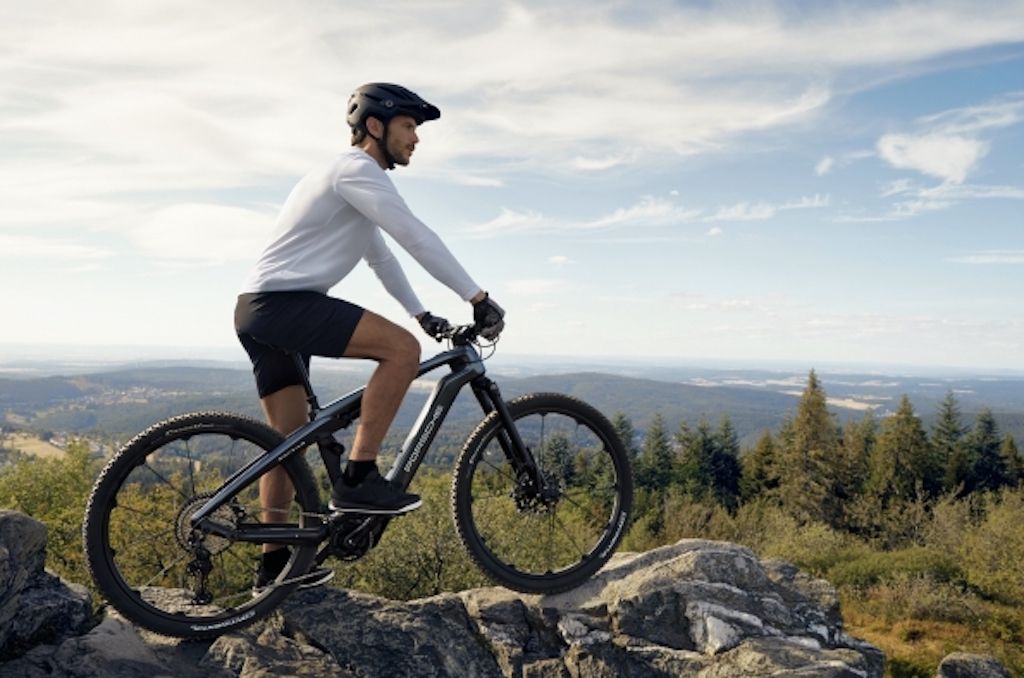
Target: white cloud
[[596, 164], [744, 212], [824, 165], [761, 211], [1000, 113], [949, 157], [510, 221], [243, 98], [650, 211], [714, 231], [560, 260], [947, 145], [898, 187]]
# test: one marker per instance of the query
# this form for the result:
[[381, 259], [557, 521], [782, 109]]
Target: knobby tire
[[136, 525], [534, 546]]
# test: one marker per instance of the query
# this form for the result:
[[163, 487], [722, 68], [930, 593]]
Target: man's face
[[402, 138]]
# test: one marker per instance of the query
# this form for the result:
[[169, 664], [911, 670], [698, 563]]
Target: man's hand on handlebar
[[434, 326], [488, 318]]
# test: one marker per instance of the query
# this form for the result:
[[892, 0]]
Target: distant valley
[[113, 404]]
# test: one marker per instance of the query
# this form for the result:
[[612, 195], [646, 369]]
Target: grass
[[914, 647], [32, 445]]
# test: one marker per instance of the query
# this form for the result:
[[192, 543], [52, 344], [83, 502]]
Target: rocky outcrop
[[696, 608], [35, 606], [964, 665]]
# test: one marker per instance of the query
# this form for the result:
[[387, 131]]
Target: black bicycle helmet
[[384, 101]]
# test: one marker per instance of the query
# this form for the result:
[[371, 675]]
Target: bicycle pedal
[[315, 577], [356, 512]]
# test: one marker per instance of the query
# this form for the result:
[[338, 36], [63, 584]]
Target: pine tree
[[759, 472], [948, 444], [623, 426], [902, 459], [806, 487], [725, 465], [1013, 461], [654, 466], [857, 445], [697, 460], [987, 469], [692, 471]]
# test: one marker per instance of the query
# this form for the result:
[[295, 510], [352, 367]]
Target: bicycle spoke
[[551, 537], [159, 575], [165, 481], [569, 535], [144, 543]]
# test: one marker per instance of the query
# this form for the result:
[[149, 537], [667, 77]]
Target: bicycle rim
[[536, 544], [144, 556]]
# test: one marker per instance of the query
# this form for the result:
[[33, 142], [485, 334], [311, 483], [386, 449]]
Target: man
[[333, 218]]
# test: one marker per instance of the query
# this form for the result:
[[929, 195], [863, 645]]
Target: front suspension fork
[[519, 455]]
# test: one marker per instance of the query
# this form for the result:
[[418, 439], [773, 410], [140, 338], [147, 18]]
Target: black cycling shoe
[[375, 495]]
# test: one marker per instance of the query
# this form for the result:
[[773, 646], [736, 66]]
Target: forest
[[918, 528]]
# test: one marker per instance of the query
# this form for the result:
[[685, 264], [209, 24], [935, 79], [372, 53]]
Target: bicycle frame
[[466, 368]]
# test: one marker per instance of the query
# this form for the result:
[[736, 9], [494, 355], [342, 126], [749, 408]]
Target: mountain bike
[[541, 496]]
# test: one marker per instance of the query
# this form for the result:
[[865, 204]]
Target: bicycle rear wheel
[[142, 553], [553, 542]]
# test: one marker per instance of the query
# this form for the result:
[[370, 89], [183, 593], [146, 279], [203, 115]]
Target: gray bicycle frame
[[466, 368]]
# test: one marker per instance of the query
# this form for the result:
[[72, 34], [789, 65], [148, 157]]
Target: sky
[[742, 182]]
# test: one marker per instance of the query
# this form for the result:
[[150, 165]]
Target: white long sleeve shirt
[[333, 218]]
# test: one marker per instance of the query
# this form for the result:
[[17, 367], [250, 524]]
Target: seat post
[[300, 365]]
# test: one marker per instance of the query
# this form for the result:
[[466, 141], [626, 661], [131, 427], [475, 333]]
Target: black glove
[[487, 316], [434, 326]]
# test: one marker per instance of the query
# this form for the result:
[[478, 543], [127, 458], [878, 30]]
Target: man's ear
[[374, 127]]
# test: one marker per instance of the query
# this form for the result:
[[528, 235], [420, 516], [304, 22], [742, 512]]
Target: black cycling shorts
[[272, 324]]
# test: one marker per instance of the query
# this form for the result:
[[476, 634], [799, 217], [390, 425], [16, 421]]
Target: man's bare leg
[[285, 410], [397, 353]]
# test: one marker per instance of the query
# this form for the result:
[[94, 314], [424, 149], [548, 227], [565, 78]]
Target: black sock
[[274, 561], [356, 471]]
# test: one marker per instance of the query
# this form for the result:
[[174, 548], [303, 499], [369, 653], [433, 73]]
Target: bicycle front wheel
[[550, 541], [144, 556]]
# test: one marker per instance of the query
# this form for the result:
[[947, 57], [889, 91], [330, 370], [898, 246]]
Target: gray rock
[[35, 606], [964, 665], [22, 554], [696, 608], [114, 648], [371, 636], [274, 648]]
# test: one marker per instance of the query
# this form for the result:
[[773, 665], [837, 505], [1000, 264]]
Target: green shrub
[[993, 553], [815, 547], [865, 568], [919, 597], [54, 491], [908, 668]]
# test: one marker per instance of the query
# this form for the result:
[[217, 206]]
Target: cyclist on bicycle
[[333, 218]]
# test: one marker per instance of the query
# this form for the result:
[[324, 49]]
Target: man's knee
[[407, 349]]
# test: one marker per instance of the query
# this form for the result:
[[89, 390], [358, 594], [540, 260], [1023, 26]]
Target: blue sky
[[818, 183]]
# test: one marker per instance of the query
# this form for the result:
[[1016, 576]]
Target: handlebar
[[461, 335]]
